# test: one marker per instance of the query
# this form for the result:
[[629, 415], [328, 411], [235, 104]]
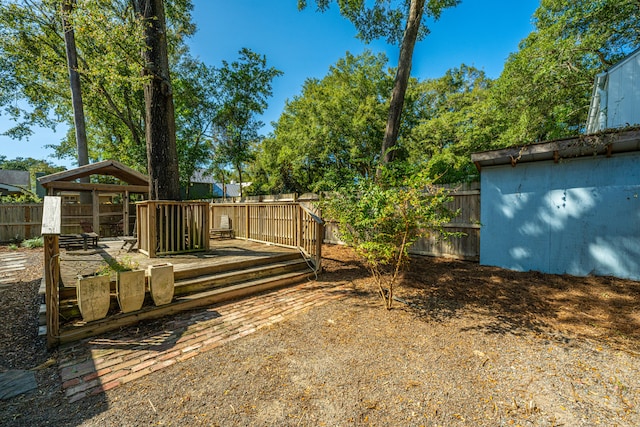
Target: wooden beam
[[152, 235], [106, 167], [52, 282], [78, 186]]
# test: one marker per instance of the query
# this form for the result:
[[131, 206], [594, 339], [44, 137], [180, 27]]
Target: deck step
[[180, 304], [228, 275], [202, 283], [182, 272]]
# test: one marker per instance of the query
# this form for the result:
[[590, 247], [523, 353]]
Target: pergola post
[[125, 214], [95, 204]]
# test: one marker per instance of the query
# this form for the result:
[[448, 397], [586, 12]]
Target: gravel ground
[[470, 346]]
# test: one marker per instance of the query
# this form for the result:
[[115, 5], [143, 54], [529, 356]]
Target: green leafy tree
[[402, 23], [244, 89], [380, 219], [196, 106], [34, 88], [545, 88], [451, 124], [331, 132]]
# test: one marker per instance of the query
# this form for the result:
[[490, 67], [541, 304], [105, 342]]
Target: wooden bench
[[88, 233], [131, 240], [224, 229]]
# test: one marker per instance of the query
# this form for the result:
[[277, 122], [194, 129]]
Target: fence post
[[247, 222], [319, 238], [51, 219]]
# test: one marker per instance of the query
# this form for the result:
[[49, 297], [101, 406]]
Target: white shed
[[616, 96]]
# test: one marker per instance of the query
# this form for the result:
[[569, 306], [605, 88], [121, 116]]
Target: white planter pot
[[161, 283], [130, 290], [93, 297]]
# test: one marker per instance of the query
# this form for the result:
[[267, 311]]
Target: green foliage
[[244, 87], [331, 132], [20, 198], [196, 105], [383, 18], [113, 265], [382, 218], [545, 89], [109, 40], [450, 124], [36, 242]]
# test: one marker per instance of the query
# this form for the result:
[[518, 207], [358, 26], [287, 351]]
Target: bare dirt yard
[[467, 346]]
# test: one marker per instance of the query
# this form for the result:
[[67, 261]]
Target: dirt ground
[[467, 346]]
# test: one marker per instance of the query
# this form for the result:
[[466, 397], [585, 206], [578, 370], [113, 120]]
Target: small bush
[[36, 242], [381, 218], [127, 264]]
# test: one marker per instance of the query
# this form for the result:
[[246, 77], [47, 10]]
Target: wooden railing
[[168, 227], [289, 224]]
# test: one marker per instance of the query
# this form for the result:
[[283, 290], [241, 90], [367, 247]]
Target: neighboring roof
[[624, 60], [14, 177], [615, 99], [608, 143], [200, 176], [6, 190], [107, 167], [233, 190]]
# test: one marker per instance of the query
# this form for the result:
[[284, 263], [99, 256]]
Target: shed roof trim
[[106, 167], [607, 143]]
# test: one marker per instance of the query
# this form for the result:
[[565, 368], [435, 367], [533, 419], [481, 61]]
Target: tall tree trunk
[[76, 93], [160, 129], [401, 81]]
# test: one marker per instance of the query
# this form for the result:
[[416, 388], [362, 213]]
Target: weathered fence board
[[466, 200], [20, 221], [23, 221]]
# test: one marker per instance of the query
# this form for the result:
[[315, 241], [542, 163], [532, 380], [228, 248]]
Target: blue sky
[[305, 44]]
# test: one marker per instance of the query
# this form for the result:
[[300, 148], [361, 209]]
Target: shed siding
[[580, 216]]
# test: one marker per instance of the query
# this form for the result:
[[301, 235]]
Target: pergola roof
[[607, 143], [64, 180]]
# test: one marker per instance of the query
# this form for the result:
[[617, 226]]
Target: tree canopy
[[330, 132], [244, 87], [402, 23]]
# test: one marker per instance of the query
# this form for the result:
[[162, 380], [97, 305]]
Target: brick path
[[98, 364]]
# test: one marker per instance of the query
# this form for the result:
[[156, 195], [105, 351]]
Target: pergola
[[133, 182]]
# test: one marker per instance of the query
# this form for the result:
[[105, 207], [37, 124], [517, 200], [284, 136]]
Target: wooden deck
[[74, 263], [230, 269]]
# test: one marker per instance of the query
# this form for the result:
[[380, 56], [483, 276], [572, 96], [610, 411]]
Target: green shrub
[[36, 242], [380, 219]]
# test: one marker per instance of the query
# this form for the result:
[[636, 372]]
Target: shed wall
[[579, 216]]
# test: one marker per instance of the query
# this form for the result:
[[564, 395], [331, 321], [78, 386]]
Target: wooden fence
[[272, 219], [24, 221], [20, 221], [283, 223], [466, 199]]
